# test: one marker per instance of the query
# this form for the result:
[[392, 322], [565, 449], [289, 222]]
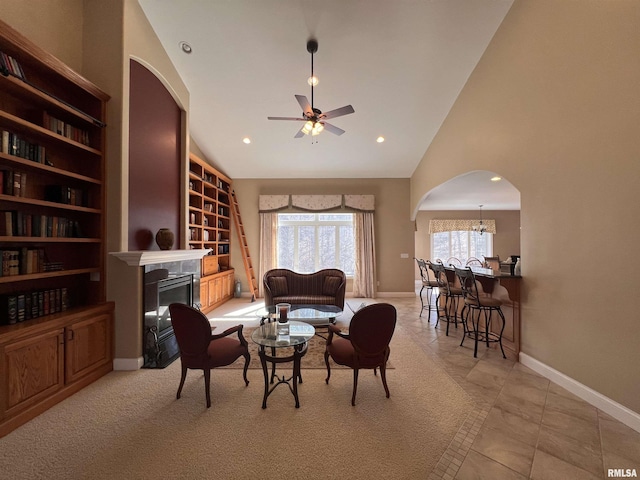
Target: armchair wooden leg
[[247, 359], [207, 381], [326, 361], [355, 386], [383, 375], [182, 379]]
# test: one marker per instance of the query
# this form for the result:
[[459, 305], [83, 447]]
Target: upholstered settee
[[325, 287]]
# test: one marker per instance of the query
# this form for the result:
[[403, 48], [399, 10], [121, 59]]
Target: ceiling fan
[[315, 120]]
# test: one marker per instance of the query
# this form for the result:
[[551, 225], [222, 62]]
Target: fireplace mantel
[[140, 258]]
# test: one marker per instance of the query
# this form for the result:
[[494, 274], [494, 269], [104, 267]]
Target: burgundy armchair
[[200, 349], [366, 345]]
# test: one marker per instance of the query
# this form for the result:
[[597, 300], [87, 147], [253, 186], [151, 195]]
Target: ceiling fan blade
[[304, 103], [338, 112], [300, 134], [286, 118], [332, 128]]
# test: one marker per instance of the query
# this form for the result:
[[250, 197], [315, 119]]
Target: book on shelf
[[12, 144], [20, 224], [23, 306], [23, 261], [64, 194], [10, 65], [65, 129], [9, 309]]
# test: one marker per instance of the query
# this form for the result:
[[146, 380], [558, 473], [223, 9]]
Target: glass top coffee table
[[316, 315], [267, 336]]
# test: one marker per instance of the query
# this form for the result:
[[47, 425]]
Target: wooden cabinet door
[[204, 293], [213, 294], [31, 370], [88, 346], [228, 285], [219, 289]]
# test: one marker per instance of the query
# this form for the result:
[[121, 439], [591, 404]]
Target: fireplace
[[161, 289]]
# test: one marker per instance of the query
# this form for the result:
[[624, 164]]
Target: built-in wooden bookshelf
[[56, 329], [210, 228]]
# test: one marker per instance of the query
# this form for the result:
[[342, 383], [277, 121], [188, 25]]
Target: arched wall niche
[[155, 158]]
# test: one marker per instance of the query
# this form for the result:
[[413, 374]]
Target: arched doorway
[[459, 199]]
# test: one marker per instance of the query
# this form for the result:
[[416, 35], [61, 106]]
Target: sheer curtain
[[268, 246], [364, 279]]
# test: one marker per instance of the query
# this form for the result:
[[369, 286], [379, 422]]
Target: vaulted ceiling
[[400, 64]]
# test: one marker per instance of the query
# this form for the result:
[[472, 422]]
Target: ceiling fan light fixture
[[308, 127], [317, 128]]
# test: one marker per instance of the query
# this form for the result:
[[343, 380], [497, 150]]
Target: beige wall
[[393, 229], [554, 107], [506, 241], [54, 25]]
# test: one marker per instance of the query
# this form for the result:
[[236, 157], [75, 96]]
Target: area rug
[[129, 425], [314, 358]]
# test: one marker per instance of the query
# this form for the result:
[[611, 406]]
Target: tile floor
[[523, 426]]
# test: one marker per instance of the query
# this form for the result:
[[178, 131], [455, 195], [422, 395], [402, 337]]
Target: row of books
[[10, 65], [15, 145], [13, 183], [25, 306], [24, 261], [65, 194], [61, 128], [19, 224]]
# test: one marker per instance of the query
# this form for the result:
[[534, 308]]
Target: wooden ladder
[[242, 238]]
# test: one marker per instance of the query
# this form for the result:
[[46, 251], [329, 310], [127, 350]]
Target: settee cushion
[[331, 284], [278, 286]]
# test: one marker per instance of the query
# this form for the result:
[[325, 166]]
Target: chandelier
[[480, 228]]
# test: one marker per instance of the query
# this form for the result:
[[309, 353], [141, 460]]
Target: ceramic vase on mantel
[[165, 238]]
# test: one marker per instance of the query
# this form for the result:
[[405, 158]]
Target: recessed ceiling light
[[246, 140], [313, 81], [185, 47], [380, 139], [496, 179]]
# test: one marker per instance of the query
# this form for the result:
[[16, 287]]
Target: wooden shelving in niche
[[210, 228], [55, 323]]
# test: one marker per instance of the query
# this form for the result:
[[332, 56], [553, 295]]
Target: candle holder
[[282, 312]]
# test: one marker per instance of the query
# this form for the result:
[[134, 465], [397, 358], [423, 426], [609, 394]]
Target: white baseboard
[[607, 405], [128, 363]]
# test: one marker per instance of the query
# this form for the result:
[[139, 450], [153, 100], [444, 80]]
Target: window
[[308, 242], [461, 244]]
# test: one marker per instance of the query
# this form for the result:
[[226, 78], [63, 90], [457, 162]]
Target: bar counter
[[506, 288]]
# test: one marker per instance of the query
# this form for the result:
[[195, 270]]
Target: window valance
[[317, 203], [436, 226]]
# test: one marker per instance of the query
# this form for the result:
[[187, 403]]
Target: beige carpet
[[129, 425]]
